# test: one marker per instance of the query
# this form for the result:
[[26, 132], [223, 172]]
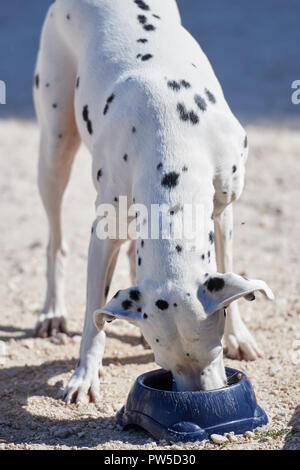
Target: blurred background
[[253, 46]]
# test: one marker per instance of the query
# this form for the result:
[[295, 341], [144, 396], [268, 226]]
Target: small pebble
[[249, 435], [75, 339], [28, 344], [62, 433], [266, 439], [274, 369], [231, 437], [3, 351], [59, 339], [218, 439]]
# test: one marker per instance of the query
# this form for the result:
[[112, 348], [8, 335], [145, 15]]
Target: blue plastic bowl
[[191, 416]]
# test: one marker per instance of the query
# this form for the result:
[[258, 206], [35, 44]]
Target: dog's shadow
[[20, 426], [292, 441], [26, 333]]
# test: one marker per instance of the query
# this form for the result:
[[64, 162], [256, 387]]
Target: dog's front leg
[[84, 384], [239, 342]]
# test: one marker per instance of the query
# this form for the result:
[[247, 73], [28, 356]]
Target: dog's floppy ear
[[219, 290], [126, 305]]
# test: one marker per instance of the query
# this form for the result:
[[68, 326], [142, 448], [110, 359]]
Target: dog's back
[[94, 46]]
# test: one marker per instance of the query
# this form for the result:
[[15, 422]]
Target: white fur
[[96, 40]]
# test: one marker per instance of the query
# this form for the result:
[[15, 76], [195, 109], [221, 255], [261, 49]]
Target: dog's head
[[184, 327]]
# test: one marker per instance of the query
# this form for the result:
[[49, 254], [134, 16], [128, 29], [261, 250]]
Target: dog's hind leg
[[239, 341], [132, 266], [54, 87]]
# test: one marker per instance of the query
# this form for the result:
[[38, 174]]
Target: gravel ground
[[33, 372]]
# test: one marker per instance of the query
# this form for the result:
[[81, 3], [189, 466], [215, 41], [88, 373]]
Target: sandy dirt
[[33, 372]]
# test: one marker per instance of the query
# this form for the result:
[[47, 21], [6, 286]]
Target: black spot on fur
[[37, 80], [210, 96], [99, 174], [110, 98], [200, 102], [116, 199], [185, 84], [108, 101], [149, 27], [54, 105], [175, 305], [142, 5], [85, 115], [211, 237], [145, 316], [68, 16], [246, 142], [133, 130], [170, 180], [47, 85], [139, 261], [203, 257], [162, 304], [126, 304], [139, 309], [90, 127], [193, 117], [77, 82], [142, 40], [214, 284], [234, 168], [142, 19], [174, 85], [156, 16], [135, 295], [178, 249], [157, 340], [159, 166], [142, 243], [185, 168], [125, 158], [146, 57], [185, 115]]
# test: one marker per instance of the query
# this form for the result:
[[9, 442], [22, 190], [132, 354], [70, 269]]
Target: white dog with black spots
[[128, 80]]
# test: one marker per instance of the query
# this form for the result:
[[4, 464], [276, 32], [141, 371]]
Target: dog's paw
[[49, 325], [83, 387], [240, 344]]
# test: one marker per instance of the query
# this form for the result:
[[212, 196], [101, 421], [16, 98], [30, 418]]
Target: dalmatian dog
[[125, 78]]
